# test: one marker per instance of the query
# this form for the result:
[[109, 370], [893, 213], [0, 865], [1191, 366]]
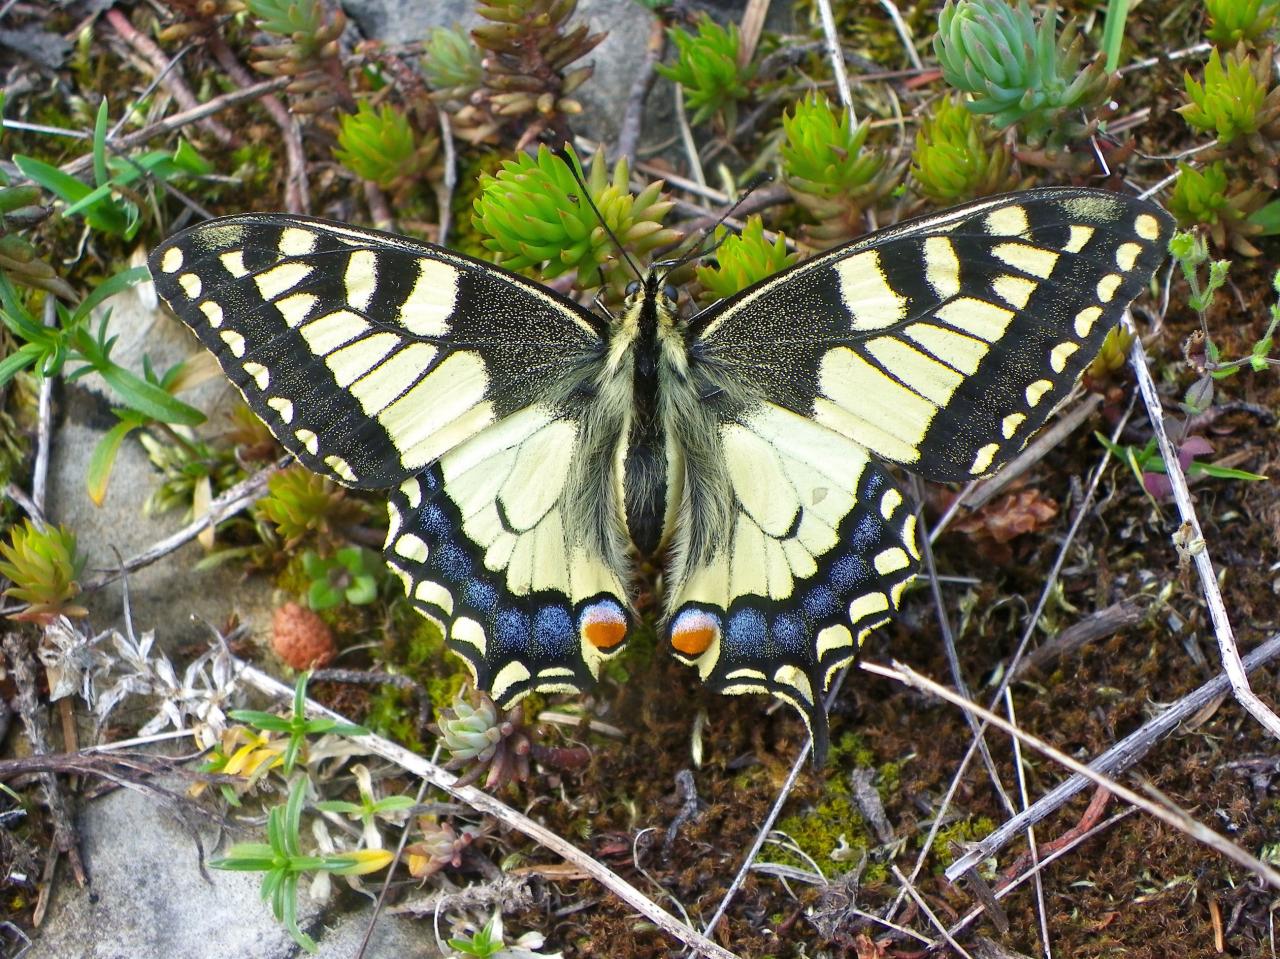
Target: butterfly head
[[653, 288]]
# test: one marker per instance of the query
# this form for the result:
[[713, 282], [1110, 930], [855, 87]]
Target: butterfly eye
[[670, 292], [633, 288]]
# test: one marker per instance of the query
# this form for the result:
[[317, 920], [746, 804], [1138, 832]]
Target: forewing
[[943, 343], [484, 544], [368, 355]]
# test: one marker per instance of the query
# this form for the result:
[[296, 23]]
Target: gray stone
[[146, 899]]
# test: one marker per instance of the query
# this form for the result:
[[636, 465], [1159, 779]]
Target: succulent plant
[[42, 564], [827, 170], [440, 845], [479, 736], [1203, 197], [957, 157], [534, 218], [300, 503], [1237, 103], [743, 259], [382, 146], [528, 47], [201, 17], [709, 69], [452, 66], [309, 53], [1017, 71], [1240, 21]]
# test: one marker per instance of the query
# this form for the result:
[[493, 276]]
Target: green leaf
[[100, 175], [19, 360], [109, 288], [1267, 217], [1221, 472], [104, 457], [1113, 32], [149, 399]]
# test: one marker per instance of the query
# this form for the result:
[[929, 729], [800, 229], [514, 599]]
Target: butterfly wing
[[944, 343], [367, 354], [381, 362], [941, 344]]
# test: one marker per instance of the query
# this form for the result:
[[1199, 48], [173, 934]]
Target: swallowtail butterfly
[[535, 451]]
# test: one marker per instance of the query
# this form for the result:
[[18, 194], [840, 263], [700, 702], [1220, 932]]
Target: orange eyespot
[[604, 633], [693, 641]]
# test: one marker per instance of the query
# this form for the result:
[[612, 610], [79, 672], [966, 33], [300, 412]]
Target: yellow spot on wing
[[1080, 235], [233, 262], [942, 267], [867, 295], [296, 242], [467, 630], [327, 333], [833, 638], [976, 317], [1127, 255], [1014, 290], [891, 560], [281, 279], [1007, 221], [1029, 259], [235, 342], [1037, 390], [212, 312], [282, 406], [512, 674], [391, 377], [926, 376], [982, 461], [956, 349], [190, 284], [1107, 287], [867, 605], [431, 302], [1085, 320], [172, 260], [309, 441], [296, 308], [361, 278], [1146, 226], [1060, 354]]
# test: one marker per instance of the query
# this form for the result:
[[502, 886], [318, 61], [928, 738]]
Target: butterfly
[[535, 452]]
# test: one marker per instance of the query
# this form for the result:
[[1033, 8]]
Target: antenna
[[757, 181], [571, 161]]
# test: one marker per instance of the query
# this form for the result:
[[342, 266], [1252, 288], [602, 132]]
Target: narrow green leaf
[[149, 399], [100, 174], [1113, 32], [104, 457]]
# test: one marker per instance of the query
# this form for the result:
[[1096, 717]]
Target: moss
[[849, 751], [952, 840], [833, 824]]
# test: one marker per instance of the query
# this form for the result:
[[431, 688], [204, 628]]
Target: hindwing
[[482, 542], [819, 549]]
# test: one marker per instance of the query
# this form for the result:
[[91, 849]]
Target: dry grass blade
[[1116, 759], [1199, 550], [1170, 815]]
